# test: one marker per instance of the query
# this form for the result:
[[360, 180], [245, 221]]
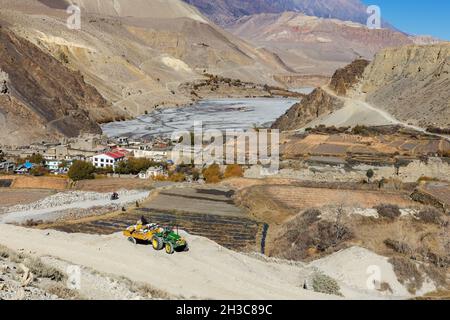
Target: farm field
[[11, 197]]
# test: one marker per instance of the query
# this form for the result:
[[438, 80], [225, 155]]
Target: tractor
[[169, 240]]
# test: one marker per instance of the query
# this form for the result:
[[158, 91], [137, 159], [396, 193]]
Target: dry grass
[[63, 292], [41, 270], [7, 253], [307, 236], [145, 290], [407, 273]]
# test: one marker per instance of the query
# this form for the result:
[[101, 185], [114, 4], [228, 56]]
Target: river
[[214, 114]]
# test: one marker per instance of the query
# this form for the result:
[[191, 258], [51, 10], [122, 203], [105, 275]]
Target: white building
[[108, 159], [153, 172]]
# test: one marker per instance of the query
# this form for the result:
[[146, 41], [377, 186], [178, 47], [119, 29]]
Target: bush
[[212, 174], [41, 270], [431, 216], [81, 170], [63, 292], [134, 165], [38, 171], [398, 246], [388, 211], [325, 284], [407, 273], [177, 177], [233, 170]]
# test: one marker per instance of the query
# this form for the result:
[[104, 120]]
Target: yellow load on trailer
[[142, 232]]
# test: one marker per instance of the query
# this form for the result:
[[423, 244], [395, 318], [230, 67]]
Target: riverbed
[[218, 114]]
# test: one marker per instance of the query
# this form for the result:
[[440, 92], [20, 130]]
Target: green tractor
[[169, 240]]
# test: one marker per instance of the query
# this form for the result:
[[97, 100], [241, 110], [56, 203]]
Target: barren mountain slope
[[136, 52], [412, 83], [41, 98], [224, 12], [312, 45]]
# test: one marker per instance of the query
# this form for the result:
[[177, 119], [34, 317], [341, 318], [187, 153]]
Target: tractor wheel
[[157, 243], [132, 240], [169, 248]]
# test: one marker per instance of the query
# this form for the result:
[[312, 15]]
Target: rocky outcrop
[[45, 98], [412, 83], [345, 78], [4, 82], [316, 104]]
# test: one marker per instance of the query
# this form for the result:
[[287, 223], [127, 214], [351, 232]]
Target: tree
[[370, 173], [64, 164], [233, 170], [212, 174], [81, 170], [38, 171], [36, 158]]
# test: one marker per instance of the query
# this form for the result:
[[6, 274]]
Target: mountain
[[41, 99], [225, 12], [312, 45], [137, 53], [409, 84], [412, 83]]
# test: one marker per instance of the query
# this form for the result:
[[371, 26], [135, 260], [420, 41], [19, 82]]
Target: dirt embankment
[[29, 182]]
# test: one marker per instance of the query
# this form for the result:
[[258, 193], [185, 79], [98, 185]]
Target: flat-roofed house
[[108, 159]]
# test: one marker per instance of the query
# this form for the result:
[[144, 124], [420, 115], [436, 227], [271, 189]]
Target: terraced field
[[231, 232], [208, 212]]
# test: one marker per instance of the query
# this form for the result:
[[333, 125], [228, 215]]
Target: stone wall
[[436, 168]]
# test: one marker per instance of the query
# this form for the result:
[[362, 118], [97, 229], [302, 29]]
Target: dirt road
[[206, 271], [356, 111]]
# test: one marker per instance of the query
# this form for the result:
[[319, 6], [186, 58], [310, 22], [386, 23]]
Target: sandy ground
[[207, 270], [48, 209]]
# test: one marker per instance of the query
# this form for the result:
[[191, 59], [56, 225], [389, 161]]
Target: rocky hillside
[[41, 98], [345, 78], [224, 12], [316, 104], [311, 45], [412, 83], [137, 53]]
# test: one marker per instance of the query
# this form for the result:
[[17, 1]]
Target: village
[[103, 153]]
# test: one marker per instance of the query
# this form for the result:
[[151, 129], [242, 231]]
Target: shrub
[[370, 173], [177, 177], [388, 211], [398, 246], [325, 284], [81, 170], [407, 273], [212, 174], [63, 57], [331, 234], [63, 292], [430, 215], [311, 215], [38, 171], [41, 270], [233, 170]]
